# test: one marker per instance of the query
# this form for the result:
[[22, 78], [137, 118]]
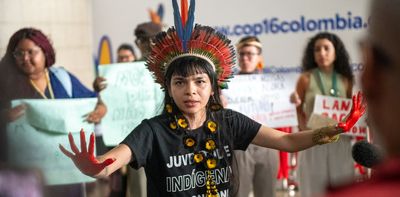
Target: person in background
[[116, 184], [136, 179], [257, 166], [326, 71], [143, 33], [380, 82], [250, 58], [125, 53], [27, 72]]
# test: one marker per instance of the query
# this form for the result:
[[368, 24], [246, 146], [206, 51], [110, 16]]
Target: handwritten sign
[[337, 109], [264, 98], [131, 96], [33, 139]]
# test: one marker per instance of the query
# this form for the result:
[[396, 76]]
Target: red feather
[[184, 12]]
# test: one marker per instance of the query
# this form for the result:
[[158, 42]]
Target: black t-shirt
[[168, 164]]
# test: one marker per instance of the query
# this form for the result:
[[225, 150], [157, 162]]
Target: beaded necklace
[[179, 123], [334, 90], [48, 86]]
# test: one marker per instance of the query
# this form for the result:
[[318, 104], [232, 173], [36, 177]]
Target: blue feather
[[177, 19], [189, 25], [160, 11]]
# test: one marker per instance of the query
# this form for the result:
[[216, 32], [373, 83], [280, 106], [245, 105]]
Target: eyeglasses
[[248, 54], [19, 54]]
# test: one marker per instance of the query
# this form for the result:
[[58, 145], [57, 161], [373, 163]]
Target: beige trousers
[[258, 168], [324, 165]]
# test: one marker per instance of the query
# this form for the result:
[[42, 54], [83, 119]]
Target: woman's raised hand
[[357, 110], [84, 159], [99, 84], [295, 99]]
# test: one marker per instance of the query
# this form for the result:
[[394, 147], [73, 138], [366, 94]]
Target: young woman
[[327, 72], [187, 150]]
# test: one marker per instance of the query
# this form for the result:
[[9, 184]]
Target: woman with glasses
[[257, 166], [27, 72], [249, 50]]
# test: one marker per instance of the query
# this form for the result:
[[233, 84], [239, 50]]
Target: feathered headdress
[[184, 40]]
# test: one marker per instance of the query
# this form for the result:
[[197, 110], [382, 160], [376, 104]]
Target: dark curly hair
[[342, 61]]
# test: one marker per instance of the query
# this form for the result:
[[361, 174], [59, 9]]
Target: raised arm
[[301, 86], [100, 166], [271, 138], [98, 113]]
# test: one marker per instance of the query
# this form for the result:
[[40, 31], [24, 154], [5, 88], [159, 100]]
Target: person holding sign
[[187, 150], [27, 72], [144, 32], [249, 49], [257, 166], [125, 53], [326, 71]]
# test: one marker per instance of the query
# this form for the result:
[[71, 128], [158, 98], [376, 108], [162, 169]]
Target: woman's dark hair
[[342, 61], [190, 65], [38, 38], [126, 46]]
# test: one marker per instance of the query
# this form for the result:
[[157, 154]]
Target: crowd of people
[[228, 153]]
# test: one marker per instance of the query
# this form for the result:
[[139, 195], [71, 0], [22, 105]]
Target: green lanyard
[[333, 91]]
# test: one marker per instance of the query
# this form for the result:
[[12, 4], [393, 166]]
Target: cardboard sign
[[33, 139], [337, 109], [264, 98], [131, 96]]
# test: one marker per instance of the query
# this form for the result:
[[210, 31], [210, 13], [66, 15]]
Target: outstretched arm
[[93, 166], [271, 138]]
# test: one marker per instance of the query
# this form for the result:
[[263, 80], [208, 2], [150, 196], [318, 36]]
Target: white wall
[[67, 23], [117, 19]]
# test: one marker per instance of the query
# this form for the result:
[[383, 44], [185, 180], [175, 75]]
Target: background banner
[[264, 97]]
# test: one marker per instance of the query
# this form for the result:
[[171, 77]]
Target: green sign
[[34, 138], [131, 96]]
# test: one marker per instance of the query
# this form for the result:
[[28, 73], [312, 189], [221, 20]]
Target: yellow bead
[[210, 145], [211, 163], [168, 108], [172, 125], [198, 157], [212, 126], [190, 142], [182, 123]]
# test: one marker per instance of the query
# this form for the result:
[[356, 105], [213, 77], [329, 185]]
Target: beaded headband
[[249, 43], [183, 40]]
